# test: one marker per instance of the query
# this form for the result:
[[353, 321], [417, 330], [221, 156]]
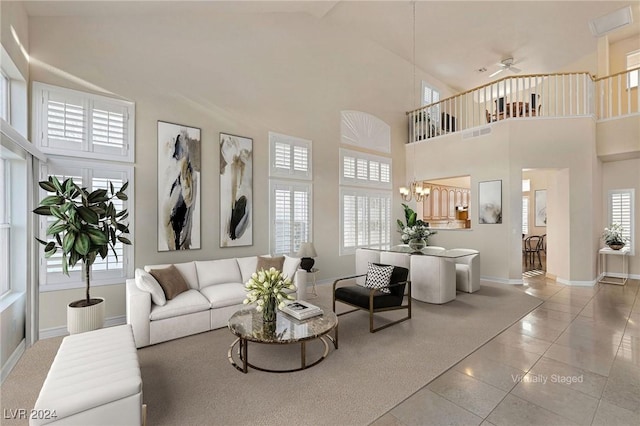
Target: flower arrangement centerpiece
[[415, 232], [613, 236], [266, 288]]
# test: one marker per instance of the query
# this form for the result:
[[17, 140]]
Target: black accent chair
[[373, 300], [532, 248]]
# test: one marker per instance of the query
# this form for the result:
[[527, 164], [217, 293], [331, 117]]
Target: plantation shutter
[[291, 213], [360, 169], [621, 211], [366, 218], [290, 157], [92, 176], [77, 124], [66, 122], [525, 215]]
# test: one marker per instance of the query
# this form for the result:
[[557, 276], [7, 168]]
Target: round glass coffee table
[[247, 324]]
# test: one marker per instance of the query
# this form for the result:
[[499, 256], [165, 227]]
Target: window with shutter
[[290, 193], [77, 124], [366, 219], [621, 211], [290, 215], [360, 169], [525, 215], [118, 264], [290, 157]]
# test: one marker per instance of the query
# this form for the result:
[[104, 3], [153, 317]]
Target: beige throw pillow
[[171, 281], [270, 262]]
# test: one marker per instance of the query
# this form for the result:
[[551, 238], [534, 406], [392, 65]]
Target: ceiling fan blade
[[496, 73], [515, 69]]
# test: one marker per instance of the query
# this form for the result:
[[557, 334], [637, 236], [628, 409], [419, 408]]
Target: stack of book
[[301, 310]]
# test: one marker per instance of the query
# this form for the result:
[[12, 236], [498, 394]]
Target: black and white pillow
[[378, 277]]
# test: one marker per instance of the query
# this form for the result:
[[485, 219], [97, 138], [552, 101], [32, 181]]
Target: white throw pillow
[[290, 267], [378, 277], [146, 282]]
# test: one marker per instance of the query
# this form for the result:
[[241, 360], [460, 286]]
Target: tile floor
[[573, 360]]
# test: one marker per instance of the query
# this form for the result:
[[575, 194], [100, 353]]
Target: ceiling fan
[[506, 64]]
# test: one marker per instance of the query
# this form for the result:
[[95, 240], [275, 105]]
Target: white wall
[[513, 145], [245, 74]]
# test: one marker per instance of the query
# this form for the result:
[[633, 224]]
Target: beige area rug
[[189, 381]]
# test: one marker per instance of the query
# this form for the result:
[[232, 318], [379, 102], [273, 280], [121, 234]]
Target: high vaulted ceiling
[[453, 39]]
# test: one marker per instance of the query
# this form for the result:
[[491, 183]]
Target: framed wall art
[[490, 202], [178, 187], [236, 190], [541, 207]]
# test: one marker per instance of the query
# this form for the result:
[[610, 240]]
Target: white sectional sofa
[[216, 291]]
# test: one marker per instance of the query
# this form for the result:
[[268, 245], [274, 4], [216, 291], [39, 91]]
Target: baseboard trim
[[13, 360], [577, 283], [502, 280], [619, 275], [48, 333]]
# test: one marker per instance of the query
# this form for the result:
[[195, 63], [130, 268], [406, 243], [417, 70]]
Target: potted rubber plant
[[86, 225]]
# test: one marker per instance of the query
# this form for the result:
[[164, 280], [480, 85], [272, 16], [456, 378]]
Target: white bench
[[94, 380]]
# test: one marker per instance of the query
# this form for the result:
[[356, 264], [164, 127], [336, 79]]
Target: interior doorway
[[536, 185]]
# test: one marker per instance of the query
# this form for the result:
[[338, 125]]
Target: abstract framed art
[[178, 187], [236, 190], [490, 202], [541, 207]]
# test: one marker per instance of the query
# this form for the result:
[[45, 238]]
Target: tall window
[[621, 211], [91, 175], [5, 229], [69, 124], [290, 192], [633, 61], [365, 201]]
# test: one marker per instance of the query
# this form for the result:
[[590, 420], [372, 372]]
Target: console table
[[602, 265]]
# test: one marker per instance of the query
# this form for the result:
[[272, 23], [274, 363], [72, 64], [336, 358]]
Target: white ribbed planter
[[86, 318]]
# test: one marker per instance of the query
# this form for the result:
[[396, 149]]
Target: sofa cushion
[[187, 269], [146, 282], [184, 303], [171, 281], [220, 271], [267, 263], [247, 267], [290, 267], [226, 294]]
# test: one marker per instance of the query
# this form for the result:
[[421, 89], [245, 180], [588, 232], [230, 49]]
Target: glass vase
[[417, 244], [269, 310]]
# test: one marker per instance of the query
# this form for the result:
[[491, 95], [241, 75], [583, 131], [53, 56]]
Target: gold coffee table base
[[243, 356]]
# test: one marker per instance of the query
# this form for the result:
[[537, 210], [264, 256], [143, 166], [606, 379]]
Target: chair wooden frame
[[370, 309]]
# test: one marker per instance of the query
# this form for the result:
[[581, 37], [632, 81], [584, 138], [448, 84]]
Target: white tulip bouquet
[[266, 288]]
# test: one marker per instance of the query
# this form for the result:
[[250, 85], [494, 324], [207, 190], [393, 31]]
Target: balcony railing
[[528, 97], [618, 94]]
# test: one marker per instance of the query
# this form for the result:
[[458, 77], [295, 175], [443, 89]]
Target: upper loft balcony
[[612, 101]]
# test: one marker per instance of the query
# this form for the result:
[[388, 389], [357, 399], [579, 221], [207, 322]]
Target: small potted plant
[[86, 225], [415, 232], [613, 236]]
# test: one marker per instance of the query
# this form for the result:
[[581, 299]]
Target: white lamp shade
[[307, 250]]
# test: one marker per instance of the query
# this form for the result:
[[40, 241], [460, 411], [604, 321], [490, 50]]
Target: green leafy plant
[[414, 228], [613, 234], [86, 225]]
